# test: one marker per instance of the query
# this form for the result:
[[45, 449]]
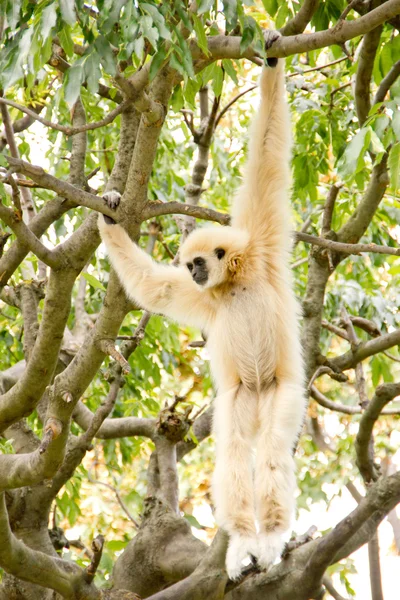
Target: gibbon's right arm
[[262, 205], [158, 288]]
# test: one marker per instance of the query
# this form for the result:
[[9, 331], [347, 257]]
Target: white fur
[[249, 313]]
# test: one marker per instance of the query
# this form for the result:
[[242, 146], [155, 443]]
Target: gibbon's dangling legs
[[281, 416], [235, 422]]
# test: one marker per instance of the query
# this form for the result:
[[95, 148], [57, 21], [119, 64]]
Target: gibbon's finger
[[109, 220], [112, 198], [270, 37]]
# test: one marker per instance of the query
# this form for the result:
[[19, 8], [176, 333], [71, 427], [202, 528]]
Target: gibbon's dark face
[[209, 254], [199, 267]]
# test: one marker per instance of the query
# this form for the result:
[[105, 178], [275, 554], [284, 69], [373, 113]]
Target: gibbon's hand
[[112, 199], [270, 36]]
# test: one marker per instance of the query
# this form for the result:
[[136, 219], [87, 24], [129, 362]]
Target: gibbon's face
[[211, 254]]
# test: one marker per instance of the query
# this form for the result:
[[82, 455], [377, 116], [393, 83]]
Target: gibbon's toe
[[270, 547], [240, 547], [112, 198], [270, 36]]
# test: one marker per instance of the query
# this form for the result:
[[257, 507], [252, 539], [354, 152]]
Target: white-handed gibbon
[[235, 284]]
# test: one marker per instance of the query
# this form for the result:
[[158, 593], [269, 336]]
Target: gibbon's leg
[[281, 414], [234, 427], [156, 287]]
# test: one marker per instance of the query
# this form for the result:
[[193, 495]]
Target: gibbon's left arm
[[158, 288], [262, 205]]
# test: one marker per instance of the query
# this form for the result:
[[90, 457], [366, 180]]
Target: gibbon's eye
[[199, 261], [220, 252], [190, 266]]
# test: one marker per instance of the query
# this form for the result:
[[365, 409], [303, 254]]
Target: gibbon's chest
[[243, 334]]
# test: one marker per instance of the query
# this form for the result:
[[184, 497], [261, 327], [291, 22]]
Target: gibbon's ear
[[235, 264]]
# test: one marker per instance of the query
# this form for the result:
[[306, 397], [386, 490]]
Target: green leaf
[[204, 6], [248, 34], [185, 54], [176, 64], [66, 41], [116, 545], [230, 70], [177, 101], [107, 57], [200, 34], [376, 143], [193, 521], [157, 62], [48, 20], [396, 124], [352, 160], [149, 32], [92, 72], [95, 283], [394, 167], [73, 80], [68, 11], [230, 13], [158, 19], [218, 82], [271, 6], [113, 15]]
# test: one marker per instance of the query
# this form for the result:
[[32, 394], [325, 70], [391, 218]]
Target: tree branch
[[366, 349], [369, 47], [381, 498], [344, 408], [301, 19], [155, 209], [387, 82], [383, 395], [28, 238], [345, 248], [36, 567], [229, 46]]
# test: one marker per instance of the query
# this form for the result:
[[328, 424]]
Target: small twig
[[334, 329], [118, 497], [338, 407], [298, 263], [52, 430], [97, 548], [334, 62], [198, 413], [81, 546], [346, 11], [299, 541], [108, 347], [361, 383], [331, 589], [326, 370], [235, 99]]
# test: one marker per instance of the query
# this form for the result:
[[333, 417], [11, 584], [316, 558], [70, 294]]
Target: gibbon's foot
[[270, 547], [270, 36], [113, 199], [239, 547]]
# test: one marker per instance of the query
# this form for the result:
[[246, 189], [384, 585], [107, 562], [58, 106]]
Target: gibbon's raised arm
[[261, 205], [158, 288]]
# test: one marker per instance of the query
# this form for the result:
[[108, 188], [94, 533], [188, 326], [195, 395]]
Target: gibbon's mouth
[[200, 277]]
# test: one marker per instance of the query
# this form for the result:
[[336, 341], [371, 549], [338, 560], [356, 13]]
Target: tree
[[132, 96]]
